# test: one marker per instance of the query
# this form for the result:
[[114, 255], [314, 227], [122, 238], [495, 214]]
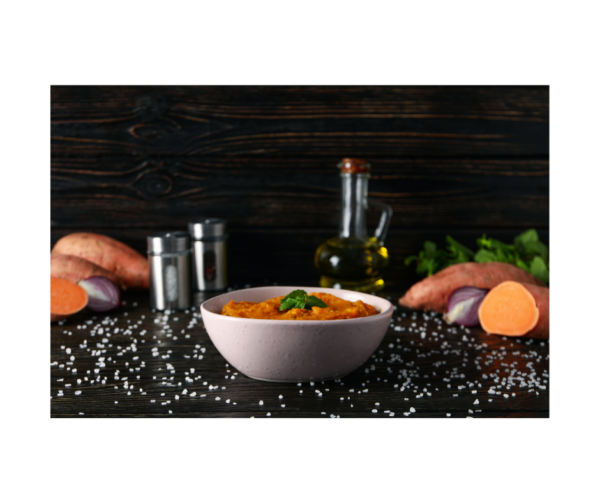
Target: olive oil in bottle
[[353, 260]]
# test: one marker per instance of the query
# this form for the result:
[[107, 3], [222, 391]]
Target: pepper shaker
[[209, 263], [169, 255]]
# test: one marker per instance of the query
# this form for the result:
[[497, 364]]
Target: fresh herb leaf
[[485, 256], [288, 304], [539, 269], [457, 253], [430, 249], [526, 243], [457, 249], [299, 299], [526, 252], [312, 301]]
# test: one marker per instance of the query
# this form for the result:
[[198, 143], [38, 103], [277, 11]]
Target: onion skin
[[463, 306], [103, 294]]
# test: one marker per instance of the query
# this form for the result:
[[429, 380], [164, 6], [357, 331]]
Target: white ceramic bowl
[[294, 350]]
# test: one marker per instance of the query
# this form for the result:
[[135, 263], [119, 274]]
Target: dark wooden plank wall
[[127, 161]]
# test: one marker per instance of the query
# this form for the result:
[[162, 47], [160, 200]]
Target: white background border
[[317, 43]]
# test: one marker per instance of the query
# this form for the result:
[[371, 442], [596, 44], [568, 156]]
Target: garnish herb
[[526, 252], [301, 300]]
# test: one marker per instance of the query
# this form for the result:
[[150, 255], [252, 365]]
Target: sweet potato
[[130, 266], [516, 309], [432, 293], [75, 269], [66, 298]]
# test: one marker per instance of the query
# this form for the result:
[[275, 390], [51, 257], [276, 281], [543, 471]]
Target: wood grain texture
[[434, 371], [138, 159]]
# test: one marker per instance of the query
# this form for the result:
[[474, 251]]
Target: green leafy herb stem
[[526, 252], [299, 299]]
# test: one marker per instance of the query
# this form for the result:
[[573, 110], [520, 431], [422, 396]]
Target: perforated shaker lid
[[208, 228], [168, 242]]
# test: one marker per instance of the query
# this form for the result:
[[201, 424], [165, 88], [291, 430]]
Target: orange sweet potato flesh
[[431, 294], [76, 268], [66, 298], [122, 260], [516, 309]]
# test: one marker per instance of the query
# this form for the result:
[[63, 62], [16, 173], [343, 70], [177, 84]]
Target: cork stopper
[[354, 166]]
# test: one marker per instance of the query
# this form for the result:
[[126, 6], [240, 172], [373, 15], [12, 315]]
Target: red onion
[[463, 305], [103, 294]]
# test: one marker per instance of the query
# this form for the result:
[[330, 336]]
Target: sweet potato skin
[[542, 299], [76, 268], [431, 294], [127, 264]]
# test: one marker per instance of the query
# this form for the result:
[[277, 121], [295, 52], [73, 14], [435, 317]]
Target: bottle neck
[[354, 204]]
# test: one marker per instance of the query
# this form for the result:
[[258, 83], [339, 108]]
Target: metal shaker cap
[[208, 228], [168, 242]]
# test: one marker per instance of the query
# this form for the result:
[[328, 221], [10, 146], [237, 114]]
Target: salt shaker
[[169, 255], [209, 261]]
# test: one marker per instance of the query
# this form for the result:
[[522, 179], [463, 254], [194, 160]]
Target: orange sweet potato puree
[[337, 309]]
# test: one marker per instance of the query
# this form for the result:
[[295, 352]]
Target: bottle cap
[[354, 166]]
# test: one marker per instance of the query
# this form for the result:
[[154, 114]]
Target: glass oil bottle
[[353, 260]]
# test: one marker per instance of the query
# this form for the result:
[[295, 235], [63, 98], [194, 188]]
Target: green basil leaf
[[299, 299], [289, 304], [312, 301]]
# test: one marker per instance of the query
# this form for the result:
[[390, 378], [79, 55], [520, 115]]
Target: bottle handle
[[384, 221]]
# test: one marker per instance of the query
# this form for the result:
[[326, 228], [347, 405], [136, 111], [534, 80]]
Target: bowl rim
[[367, 319]]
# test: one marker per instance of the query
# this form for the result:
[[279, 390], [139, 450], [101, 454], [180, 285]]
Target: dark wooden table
[[133, 362]]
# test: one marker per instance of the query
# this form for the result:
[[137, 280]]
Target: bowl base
[[298, 380]]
